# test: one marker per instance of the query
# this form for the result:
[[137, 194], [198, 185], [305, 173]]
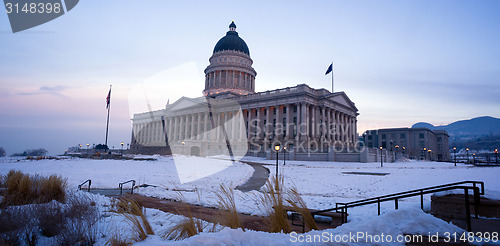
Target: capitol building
[[231, 118]]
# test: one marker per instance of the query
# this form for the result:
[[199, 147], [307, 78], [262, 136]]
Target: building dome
[[232, 41], [230, 69]]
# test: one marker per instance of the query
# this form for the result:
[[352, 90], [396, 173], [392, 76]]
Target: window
[[440, 147], [421, 135], [393, 135], [402, 135], [295, 109], [384, 136], [274, 110], [421, 144], [439, 139], [369, 137], [284, 110]]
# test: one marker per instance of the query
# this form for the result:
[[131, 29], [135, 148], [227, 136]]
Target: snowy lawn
[[321, 184], [178, 172]]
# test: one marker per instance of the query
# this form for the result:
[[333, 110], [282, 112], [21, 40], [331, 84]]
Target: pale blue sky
[[401, 62]]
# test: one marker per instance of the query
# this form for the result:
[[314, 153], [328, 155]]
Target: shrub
[[185, 228], [134, 213], [227, 207], [71, 224], [272, 202], [27, 189]]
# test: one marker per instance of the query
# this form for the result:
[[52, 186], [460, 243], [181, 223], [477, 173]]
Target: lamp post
[[122, 148], [381, 160], [284, 155], [467, 149], [80, 148], [183, 143], [88, 149], [473, 158], [429, 151], [496, 155], [277, 148], [424, 153], [455, 155], [397, 150]]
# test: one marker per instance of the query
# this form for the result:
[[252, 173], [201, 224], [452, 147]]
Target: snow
[[179, 172], [321, 184], [378, 230]]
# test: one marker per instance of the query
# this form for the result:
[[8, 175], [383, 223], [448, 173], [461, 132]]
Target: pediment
[[184, 103], [342, 99]]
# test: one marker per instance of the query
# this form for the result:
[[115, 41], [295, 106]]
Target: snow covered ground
[[321, 184]]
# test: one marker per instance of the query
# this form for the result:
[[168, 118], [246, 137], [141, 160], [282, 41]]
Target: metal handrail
[[120, 185], [342, 207], [89, 181]]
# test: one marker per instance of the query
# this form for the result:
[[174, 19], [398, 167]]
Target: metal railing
[[477, 191], [89, 181], [120, 185]]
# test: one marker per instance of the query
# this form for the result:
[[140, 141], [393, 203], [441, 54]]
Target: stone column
[[249, 136], [288, 122], [241, 122], [234, 126], [205, 119], [191, 134], [278, 121], [257, 127], [304, 121], [198, 127], [175, 133], [267, 127]]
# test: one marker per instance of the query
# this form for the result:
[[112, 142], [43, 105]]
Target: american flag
[[108, 99]]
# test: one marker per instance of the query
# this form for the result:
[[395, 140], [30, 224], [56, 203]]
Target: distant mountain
[[485, 130]]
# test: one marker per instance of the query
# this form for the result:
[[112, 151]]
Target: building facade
[[414, 143], [231, 118]]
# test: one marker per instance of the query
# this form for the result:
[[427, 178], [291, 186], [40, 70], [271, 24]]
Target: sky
[[400, 62]]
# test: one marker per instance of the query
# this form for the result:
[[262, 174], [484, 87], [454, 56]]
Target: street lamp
[[88, 149], [455, 155], [277, 147], [467, 154], [183, 143], [122, 148], [284, 155], [381, 160], [474, 159], [429, 151], [424, 154], [496, 155], [397, 150]]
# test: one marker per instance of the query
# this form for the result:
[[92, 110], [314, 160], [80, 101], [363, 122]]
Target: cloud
[[50, 90]]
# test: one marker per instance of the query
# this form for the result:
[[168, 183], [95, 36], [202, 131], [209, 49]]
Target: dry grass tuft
[[27, 189], [272, 202], [117, 240], [134, 213], [187, 227], [227, 207], [295, 200]]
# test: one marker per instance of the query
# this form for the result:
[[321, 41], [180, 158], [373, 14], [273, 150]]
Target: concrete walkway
[[258, 179]]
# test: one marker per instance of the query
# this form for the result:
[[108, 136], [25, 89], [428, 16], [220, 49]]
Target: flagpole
[[332, 77], [107, 122]]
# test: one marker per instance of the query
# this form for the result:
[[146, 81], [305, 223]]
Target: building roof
[[232, 41]]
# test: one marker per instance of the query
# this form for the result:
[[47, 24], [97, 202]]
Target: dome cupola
[[230, 68]]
